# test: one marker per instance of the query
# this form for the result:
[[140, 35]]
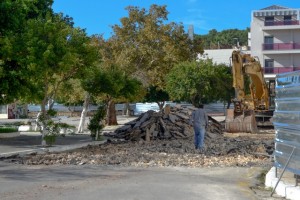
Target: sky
[[97, 16]]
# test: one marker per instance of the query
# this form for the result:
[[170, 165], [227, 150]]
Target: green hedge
[[8, 129]]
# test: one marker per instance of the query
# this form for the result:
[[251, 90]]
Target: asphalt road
[[130, 183]]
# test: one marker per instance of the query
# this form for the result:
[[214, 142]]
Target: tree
[[199, 82], [223, 84], [147, 47], [54, 53], [14, 16], [111, 84], [72, 92], [224, 39]]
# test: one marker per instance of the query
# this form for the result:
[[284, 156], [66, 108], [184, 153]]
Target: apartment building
[[275, 39]]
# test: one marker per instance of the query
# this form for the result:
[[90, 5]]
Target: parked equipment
[[251, 104]]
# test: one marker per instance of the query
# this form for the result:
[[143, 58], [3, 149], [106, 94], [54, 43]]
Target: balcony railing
[[282, 23], [281, 46], [279, 70]]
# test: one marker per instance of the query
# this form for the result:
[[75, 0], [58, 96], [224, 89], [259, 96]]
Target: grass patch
[[261, 178]]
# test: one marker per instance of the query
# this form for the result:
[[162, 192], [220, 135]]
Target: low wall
[[63, 113], [9, 135]]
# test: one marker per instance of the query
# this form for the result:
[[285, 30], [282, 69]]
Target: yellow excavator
[[252, 109]]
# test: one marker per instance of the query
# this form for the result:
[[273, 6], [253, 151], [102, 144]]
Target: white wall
[[219, 56], [257, 38]]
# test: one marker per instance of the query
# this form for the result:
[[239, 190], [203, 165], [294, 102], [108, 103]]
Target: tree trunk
[[111, 117], [50, 104], [160, 105], [43, 108], [43, 121], [83, 113], [127, 111]]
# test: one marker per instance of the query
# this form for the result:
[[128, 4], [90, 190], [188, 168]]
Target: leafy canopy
[[225, 39], [199, 82], [113, 83], [13, 22], [147, 46], [55, 52]]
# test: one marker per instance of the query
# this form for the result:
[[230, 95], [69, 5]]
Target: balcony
[[281, 46], [279, 70], [282, 23]]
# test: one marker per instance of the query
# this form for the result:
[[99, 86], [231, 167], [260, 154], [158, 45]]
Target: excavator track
[[244, 122]]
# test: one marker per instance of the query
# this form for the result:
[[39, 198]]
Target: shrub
[[65, 125], [50, 139], [95, 125], [8, 129]]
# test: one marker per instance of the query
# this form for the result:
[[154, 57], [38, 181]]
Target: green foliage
[[147, 46], [6, 129], [13, 22], [199, 82], [51, 129], [154, 94], [50, 139], [45, 122], [39, 51], [14, 14], [224, 39], [65, 125], [95, 125], [223, 90], [70, 93], [114, 83], [51, 112]]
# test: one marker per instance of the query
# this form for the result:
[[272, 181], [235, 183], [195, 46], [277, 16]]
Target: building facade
[[275, 39], [220, 56]]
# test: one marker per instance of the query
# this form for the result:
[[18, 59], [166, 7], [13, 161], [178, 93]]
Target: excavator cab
[[252, 101]]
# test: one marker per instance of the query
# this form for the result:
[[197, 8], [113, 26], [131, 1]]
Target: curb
[[52, 149], [10, 135], [283, 189]]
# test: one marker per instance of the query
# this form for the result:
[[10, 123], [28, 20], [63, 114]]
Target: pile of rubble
[[166, 139], [172, 123]]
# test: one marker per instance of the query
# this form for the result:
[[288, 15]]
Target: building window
[[269, 66], [287, 20], [269, 43], [269, 21]]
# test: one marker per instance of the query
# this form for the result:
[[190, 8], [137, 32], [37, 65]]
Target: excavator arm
[[242, 117]]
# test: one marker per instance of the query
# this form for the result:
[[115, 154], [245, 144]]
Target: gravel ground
[[220, 150]]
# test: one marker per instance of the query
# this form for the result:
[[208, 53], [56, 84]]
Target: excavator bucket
[[240, 123]]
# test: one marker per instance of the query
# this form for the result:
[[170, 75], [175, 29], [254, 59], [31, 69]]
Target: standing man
[[199, 121]]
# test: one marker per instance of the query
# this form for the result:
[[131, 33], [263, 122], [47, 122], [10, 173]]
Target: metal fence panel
[[286, 120]]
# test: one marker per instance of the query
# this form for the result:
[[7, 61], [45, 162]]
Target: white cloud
[[196, 17]]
